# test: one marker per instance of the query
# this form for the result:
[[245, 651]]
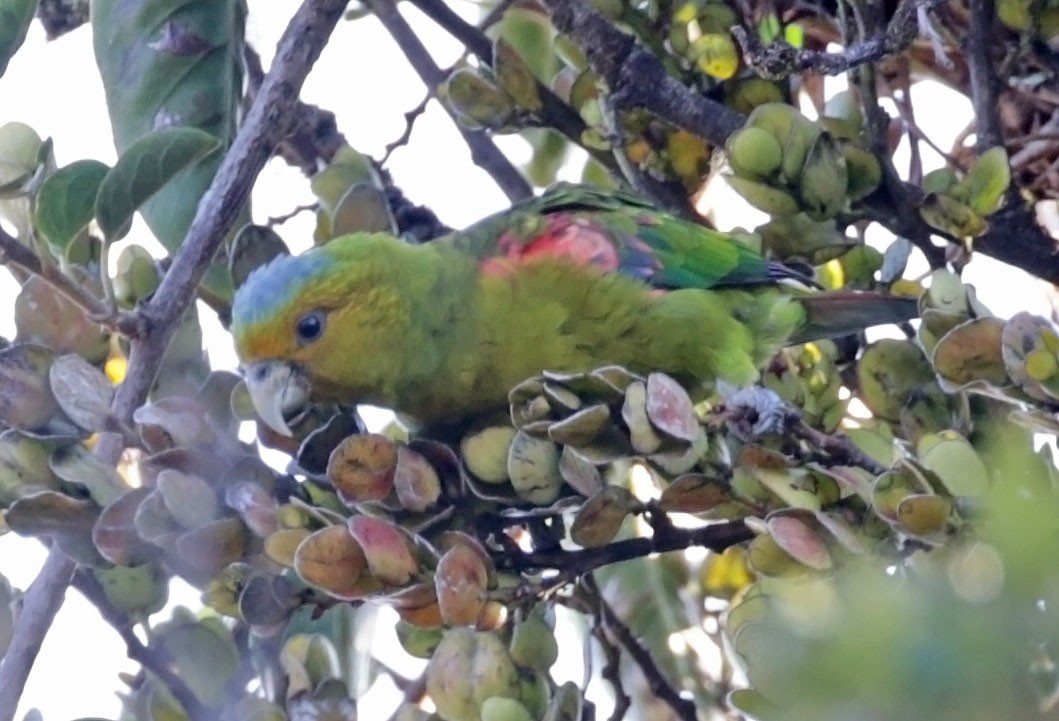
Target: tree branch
[[637, 78], [837, 445], [780, 59], [716, 537], [985, 86], [43, 600], [483, 150], [266, 124]]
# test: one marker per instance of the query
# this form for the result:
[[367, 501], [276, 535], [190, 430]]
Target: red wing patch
[[578, 240]]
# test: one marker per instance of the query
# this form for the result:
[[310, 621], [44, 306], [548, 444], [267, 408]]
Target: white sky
[[365, 80]]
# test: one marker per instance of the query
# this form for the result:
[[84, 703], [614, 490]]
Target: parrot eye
[[310, 326]]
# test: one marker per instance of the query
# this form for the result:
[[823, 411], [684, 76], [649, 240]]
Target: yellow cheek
[[262, 344]]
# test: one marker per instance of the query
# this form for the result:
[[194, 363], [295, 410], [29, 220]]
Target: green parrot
[[575, 279]]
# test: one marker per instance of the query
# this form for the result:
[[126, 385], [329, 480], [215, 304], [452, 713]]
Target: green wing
[[617, 232]]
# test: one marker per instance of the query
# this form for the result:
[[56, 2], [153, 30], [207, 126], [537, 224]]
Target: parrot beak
[[280, 394]]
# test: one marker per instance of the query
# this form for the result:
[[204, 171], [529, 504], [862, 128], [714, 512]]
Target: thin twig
[[410, 118], [483, 150], [274, 220], [135, 649], [611, 670], [265, 125], [841, 449], [683, 708]]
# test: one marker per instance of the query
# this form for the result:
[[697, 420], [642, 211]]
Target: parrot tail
[[837, 313]]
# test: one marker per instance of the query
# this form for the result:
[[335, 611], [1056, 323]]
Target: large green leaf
[[168, 63], [15, 17], [144, 169]]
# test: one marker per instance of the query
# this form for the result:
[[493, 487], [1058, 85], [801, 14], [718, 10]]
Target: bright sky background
[[366, 81]]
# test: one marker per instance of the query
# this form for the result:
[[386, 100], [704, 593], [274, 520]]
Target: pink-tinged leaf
[[387, 549]]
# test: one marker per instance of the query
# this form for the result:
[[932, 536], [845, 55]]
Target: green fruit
[[795, 133], [535, 692], [939, 181], [717, 17], [533, 467], [566, 704], [467, 668], [1041, 365], [515, 76], [777, 118], [754, 153], [416, 640], [570, 52], [822, 184], [863, 172], [529, 31], [478, 102], [796, 147], [584, 90], [533, 643], [485, 452], [498, 708], [844, 106], [745, 95], [947, 214], [135, 590], [1015, 14], [716, 55], [764, 197], [137, 276]]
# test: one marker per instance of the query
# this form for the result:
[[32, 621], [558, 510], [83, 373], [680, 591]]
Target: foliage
[[877, 521]]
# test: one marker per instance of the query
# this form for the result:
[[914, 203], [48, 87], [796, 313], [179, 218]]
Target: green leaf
[[67, 199], [15, 17], [143, 169]]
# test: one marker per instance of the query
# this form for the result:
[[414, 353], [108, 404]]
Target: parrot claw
[[279, 393]]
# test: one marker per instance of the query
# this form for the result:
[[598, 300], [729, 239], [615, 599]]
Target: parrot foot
[[755, 412]]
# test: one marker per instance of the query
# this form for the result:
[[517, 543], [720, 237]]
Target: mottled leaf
[[15, 17], [46, 317], [27, 401], [82, 391]]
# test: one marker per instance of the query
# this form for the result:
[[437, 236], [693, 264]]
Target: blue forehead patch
[[274, 286]]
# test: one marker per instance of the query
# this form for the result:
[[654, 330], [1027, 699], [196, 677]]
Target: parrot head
[[305, 326]]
